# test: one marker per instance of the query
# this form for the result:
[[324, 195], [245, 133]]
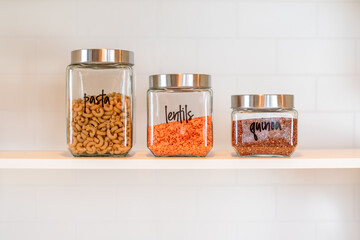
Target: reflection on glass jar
[[99, 102], [180, 115], [264, 125]]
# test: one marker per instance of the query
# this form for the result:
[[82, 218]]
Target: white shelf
[[324, 158]]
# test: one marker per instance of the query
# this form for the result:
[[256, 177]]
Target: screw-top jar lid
[[263, 101], [102, 56], [181, 80]]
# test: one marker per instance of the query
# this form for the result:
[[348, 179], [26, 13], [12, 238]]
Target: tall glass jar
[[264, 125], [180, 115], [100, 102]]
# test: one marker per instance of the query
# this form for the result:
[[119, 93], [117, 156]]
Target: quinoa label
[[264, 126], [101, 98], [180, 115]]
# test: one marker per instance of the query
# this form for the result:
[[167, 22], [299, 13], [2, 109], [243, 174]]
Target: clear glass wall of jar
[[100, 102], [180, 115], [264, 125]]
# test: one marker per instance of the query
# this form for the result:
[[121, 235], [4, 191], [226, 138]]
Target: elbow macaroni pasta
[[100, 130]]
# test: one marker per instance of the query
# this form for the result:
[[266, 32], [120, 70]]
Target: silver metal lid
[[181, 80], [102, 56], [263, 101]]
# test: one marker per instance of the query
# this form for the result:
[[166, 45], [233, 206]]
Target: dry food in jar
[[192, 137], [101, 126], [265, 136], [99, 99], [180, 115], [264, 125]]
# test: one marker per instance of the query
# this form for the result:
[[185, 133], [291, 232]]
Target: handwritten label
[[99, 99], [178, 116], [264, 126]]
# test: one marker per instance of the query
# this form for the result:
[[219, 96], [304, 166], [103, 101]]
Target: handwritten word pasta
[[100, 129]]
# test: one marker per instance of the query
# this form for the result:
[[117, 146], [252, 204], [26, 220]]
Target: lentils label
[[183, 114]]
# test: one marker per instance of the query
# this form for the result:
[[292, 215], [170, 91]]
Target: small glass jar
[[264, 125], [180, 115], [100, 102]]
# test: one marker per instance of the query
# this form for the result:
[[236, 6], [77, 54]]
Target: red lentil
[[192, 138]]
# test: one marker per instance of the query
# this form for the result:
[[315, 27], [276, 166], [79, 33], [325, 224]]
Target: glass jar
[[264, 125], [180, 115], [100, 102]]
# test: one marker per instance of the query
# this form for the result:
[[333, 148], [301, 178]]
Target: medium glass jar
[[99, 102], [264, 125], [180, 115]]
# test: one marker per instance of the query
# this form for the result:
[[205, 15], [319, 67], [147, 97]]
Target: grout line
[[316, 102]]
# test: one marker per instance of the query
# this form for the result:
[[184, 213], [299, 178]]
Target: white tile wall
[[307, 48], [310, 49], [180, 204]]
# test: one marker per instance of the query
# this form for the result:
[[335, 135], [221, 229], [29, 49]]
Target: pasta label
[[99, 99]]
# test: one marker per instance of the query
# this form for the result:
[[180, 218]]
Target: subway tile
[[54, 54], [241, 56], [338, 93], [115, 231], [57, 203], [17, 93], [358, 56], [223, 87], [155, 203], [140, 116], [276, 231], [81, 204], [147, 56], [176, 230], [119, 18], [167, 55], [50, 130], [326, 130], [357, 200], [296, 230], [196, 177], [339, 19], [37, 177], [251, 231], [338, 231], [222, 130], [325, 56], [315, 203], [277, 19], [50, 93], [178, 56], [236, 203], [337, 176], [38, 18], [214, 231], [116, 177], [35, 230], [278, 176], [18, 132], [302, 87], [18, 56], [195, 19], [17, 203], [357, 130]]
